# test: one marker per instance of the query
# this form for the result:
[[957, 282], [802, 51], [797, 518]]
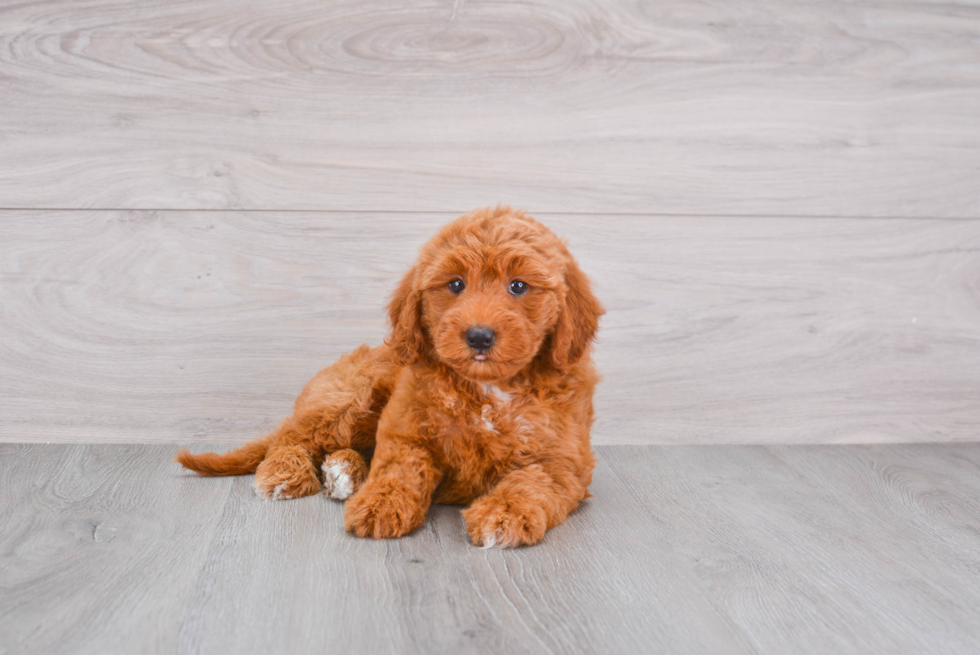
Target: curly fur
[[508, 435]]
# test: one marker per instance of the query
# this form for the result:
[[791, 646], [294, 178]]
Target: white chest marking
[[485, 418], [496, 392]]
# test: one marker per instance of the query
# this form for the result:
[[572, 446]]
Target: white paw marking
[[277, 493], [496, 539], [336, 481]]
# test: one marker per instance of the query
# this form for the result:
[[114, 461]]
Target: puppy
[[481, 395]]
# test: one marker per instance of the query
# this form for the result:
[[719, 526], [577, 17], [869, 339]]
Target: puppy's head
[[492, 292]]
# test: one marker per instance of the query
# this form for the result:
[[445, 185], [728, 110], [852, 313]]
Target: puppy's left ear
[[407, 338], [578, 319]]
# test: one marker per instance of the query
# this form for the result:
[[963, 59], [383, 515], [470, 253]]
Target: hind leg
[[344, 471], [339, 408], [336, 413], [286, 472]]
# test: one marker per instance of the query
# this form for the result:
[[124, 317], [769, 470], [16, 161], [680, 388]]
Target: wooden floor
[[682, 549]]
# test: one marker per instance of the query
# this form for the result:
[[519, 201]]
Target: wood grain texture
[[89, 533], [203, 326], [795, 559], [745, 549], [807, 108]]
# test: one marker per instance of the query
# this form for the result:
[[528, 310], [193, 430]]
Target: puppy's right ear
[[407, 338]]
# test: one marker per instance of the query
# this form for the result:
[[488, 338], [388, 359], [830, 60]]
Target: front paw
[[383, 510], [505, 522]]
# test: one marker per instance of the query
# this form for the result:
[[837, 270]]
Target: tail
[[236, 462]]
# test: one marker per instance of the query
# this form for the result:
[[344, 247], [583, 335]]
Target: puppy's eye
[[517, 287], [457, 286]]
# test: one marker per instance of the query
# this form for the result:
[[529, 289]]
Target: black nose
[[479, 337]]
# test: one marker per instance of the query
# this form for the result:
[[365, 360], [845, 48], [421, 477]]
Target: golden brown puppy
[[481, 395]]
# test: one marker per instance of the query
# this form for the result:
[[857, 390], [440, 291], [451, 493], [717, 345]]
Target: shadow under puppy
[[481, 395]]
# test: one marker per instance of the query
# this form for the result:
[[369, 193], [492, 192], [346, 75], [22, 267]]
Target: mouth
[[480, 357]]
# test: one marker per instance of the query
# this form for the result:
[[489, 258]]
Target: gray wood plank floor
[[812, 107], [683, 549], [203, 326]]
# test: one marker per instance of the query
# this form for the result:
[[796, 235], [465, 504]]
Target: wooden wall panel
[[190, 326], [813, 108]]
